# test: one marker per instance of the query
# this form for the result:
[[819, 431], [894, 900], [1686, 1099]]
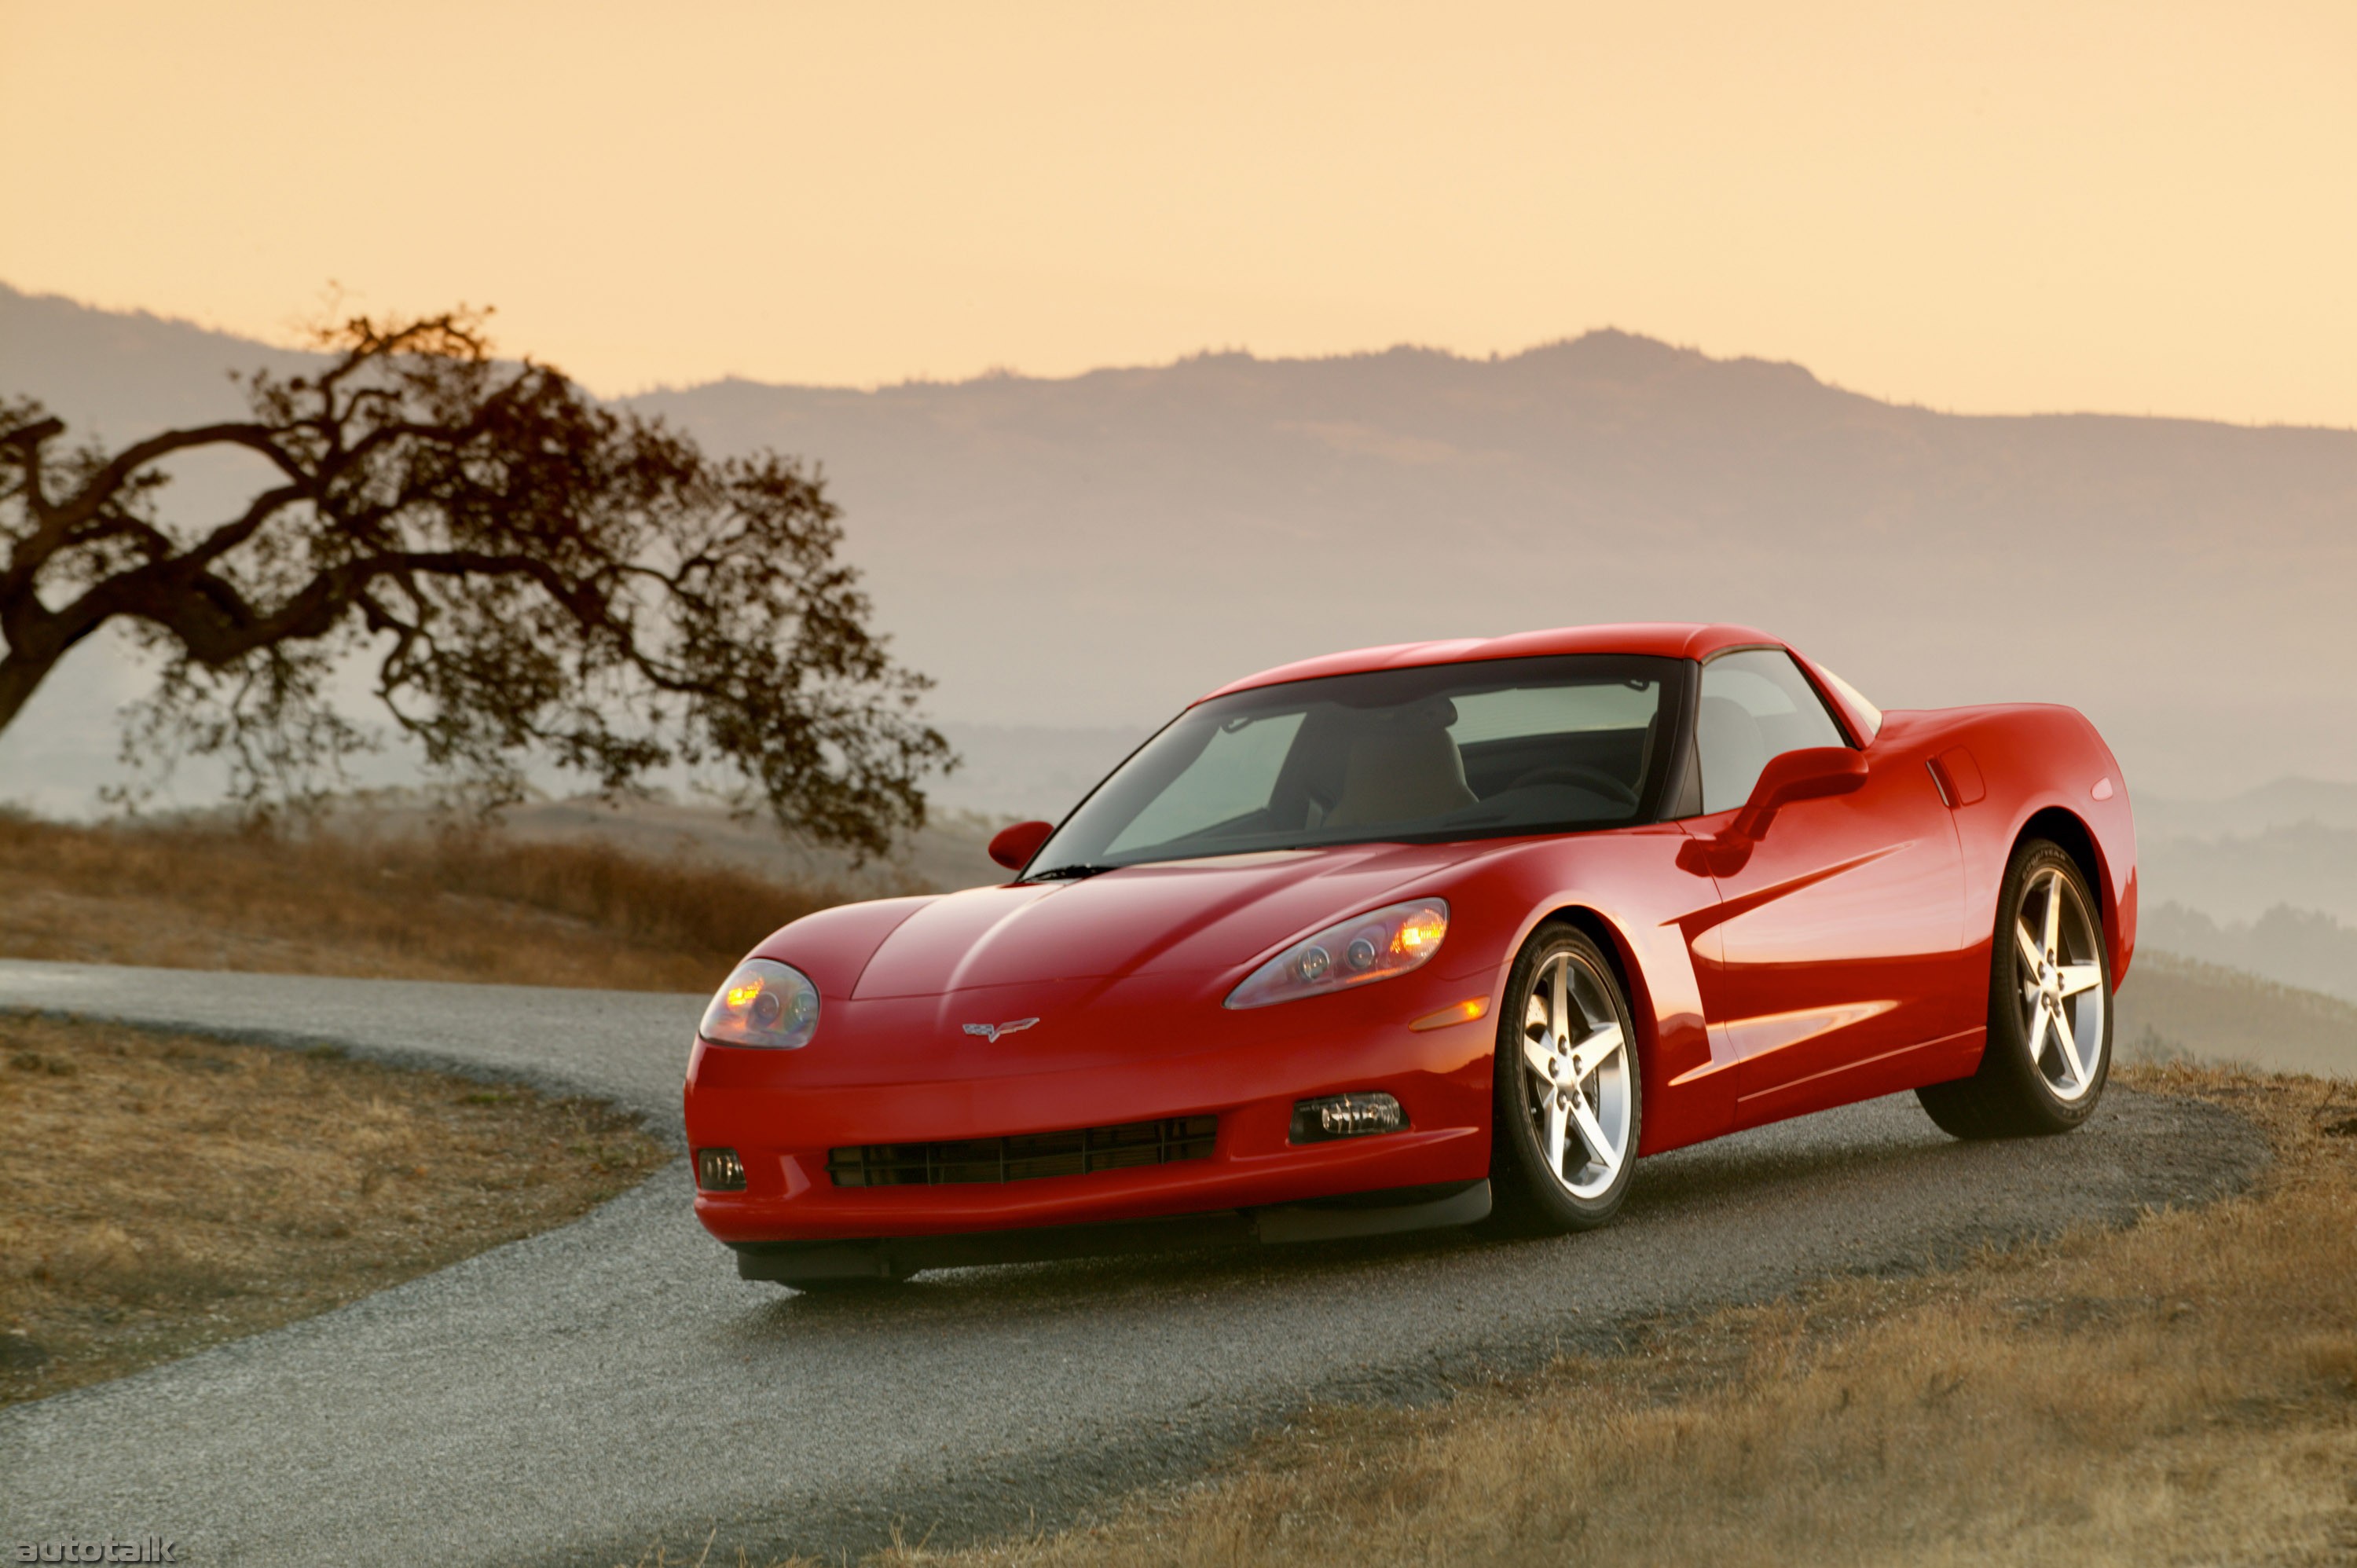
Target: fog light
[[1346, 1116], [719, 1170]]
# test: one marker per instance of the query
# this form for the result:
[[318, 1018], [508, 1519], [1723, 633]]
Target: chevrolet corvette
[[1426, 936]]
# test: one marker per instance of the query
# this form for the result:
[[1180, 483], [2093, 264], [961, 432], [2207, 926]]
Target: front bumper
[[783, 1113]]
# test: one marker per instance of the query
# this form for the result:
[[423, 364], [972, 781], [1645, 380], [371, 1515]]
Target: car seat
[[1403, 767]]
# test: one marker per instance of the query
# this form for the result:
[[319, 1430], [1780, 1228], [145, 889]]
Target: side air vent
[[1027, 1157]]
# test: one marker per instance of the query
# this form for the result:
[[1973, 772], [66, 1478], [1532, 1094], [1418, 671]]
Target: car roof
[[1663, 640]]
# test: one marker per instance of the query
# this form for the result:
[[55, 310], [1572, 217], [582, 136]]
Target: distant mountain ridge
[[123, 374], [2279, 804], [1095, 550], [2180, 581]]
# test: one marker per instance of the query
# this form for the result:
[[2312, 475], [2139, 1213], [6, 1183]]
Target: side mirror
[[1014, 847], [1804, 775]]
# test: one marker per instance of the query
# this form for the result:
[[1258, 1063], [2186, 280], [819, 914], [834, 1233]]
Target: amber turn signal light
[[1465, 1012]]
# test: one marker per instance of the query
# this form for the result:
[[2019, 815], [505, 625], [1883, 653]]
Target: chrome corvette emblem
[[991, 1031]]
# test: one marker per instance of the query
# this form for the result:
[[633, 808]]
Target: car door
[[1834, 951]]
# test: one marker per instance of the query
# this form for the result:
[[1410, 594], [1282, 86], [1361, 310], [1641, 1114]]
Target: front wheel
[[2049, 1019], [1568, 1104]]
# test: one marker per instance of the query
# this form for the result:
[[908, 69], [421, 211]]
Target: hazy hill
[[2263, 881], [1090, 552], [2308, 865], [2304, 948], [1104, 547], [2284, 803], [122, 375], [2173, 1007]]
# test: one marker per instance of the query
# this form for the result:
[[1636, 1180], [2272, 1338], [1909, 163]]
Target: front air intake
[[1026, 1157]]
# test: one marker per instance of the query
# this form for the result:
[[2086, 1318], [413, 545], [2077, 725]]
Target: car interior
[[1355, 768]]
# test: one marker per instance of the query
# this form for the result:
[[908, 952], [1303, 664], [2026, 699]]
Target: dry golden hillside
[[421, 905]]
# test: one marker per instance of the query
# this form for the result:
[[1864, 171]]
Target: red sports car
[[1422, 936]]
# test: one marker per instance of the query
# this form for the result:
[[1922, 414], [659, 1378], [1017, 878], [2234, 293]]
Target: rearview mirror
[[1014, 847]]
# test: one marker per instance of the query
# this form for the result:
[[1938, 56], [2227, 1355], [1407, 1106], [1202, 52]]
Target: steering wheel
[[1594, 779]]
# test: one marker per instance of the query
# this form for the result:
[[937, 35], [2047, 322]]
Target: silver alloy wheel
[[2059, 971], [1578, 1070]]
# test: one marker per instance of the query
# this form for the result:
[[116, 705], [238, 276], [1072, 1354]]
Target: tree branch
[[29, 439], [542, 572]]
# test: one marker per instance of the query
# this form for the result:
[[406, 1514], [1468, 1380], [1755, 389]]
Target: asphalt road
[[575, 1397]]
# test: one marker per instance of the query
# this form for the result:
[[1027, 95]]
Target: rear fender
[[2048, 775]]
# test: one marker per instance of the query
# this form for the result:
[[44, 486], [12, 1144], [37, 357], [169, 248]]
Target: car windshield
[[1434, 753]]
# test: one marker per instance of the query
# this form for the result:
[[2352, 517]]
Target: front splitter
[[1321, 1219]]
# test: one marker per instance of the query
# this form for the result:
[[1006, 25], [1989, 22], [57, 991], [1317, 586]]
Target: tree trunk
[[20, 677]]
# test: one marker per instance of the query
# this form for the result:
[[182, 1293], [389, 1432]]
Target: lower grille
[[1025, 1158]]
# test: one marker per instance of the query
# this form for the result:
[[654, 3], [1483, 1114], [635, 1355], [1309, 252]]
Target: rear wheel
[[2049, 1019], [1567, 1109]]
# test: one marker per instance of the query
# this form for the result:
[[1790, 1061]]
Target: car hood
[[1201, 915]]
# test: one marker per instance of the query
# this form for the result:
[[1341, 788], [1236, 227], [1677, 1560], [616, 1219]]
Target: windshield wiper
[[1068, 873]]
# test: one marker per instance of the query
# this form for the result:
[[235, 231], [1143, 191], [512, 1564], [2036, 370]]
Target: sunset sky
[[2133, 208]]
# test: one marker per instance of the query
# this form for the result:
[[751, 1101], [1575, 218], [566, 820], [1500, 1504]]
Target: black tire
[[2017, 1092], [1530, 1194]]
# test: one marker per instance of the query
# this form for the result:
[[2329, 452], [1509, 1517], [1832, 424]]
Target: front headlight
[[764, 1003], [1370, 947]]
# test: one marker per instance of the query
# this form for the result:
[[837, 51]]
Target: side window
[[1755, 706]]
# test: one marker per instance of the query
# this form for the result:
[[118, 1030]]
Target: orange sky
[[2136, 208]]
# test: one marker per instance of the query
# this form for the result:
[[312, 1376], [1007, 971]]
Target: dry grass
[[2183, 1390], [421, 906], [159, 1194]]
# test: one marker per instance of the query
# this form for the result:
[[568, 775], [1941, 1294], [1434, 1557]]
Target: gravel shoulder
[[570, 1397]]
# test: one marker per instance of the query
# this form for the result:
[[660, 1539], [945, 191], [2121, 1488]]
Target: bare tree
[[526, 572]]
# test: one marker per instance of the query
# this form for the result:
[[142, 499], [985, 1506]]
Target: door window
[[1755, 706]]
